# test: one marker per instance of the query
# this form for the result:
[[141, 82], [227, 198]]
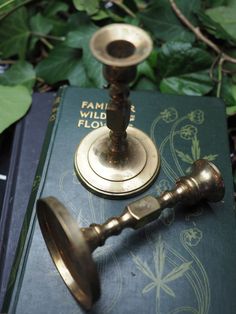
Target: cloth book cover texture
[[27, 143], [182, 263]]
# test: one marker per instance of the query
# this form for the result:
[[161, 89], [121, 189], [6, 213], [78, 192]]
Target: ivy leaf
[[231, 3], [176, 58], [144, 69], [14, 103], [225, 17], [163, 23], [91, 6], [100, 15], [14, 34], [214, 28], [78, 76], [59, 65], [144, 84], [40, 24], [229, 95], [195, 84], [80, 39], [8, 6], [21, 73], [228, 92], [55, 7], [215, 3], [231, 110]]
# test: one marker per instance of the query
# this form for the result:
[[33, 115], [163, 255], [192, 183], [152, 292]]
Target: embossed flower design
[[196, 116], [188, 132], [162, 186], [169, 115], [192, 236]]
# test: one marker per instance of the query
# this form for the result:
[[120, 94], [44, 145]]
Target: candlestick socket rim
[[130, 35]]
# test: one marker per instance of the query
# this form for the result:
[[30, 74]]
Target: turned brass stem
[[203, 183], [118, 110]]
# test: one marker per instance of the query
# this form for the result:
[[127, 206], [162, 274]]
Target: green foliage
[[161, 21], [21, 73], [15, 101], [91, 7], [192, 84], [226, 17], [59, 64], [221, 21], [14, 34], [47, 43], [176, 58]]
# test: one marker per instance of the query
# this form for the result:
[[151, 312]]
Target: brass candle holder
[[117, 160], [71, 247]]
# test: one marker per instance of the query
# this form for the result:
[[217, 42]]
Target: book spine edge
[[27, 225]]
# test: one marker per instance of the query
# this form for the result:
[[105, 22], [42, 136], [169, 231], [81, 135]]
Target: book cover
[[181, 263], [27, 141]]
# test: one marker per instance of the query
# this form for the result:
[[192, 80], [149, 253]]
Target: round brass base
[[129, 176], [69, 251]]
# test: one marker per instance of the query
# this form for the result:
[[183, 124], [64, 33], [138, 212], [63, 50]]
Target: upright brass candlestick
[[71, 247], [109, 160]]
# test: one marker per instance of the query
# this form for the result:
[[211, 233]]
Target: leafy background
[[44, 44]]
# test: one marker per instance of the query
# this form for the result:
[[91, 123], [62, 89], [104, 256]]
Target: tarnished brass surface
[[69, 251], [71, 247], [119, 163], [103, 175], [121, 45]]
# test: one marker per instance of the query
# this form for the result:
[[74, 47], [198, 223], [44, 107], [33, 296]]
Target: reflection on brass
[[117, 160], [71, 247]]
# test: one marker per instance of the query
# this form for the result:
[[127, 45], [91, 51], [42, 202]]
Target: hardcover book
[[27, 141], [184, 262]]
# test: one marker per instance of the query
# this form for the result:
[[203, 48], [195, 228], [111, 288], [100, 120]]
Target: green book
[[182, 263]]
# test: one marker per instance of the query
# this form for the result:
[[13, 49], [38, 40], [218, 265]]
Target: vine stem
[[172, 148], [207, 293], [6, 4], [170, 173], [167, 168], [121, 5], [7, 62], [15, 8], [219, 84], [48, 36], [46, 43], [198, 33]]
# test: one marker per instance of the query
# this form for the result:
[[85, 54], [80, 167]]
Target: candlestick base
[[105, 174], [69, 251]]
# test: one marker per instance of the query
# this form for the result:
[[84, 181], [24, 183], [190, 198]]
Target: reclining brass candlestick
[[120, 163], [71, 247]]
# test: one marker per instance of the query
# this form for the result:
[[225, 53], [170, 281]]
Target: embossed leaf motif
[[196, 153], [157, 280]]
